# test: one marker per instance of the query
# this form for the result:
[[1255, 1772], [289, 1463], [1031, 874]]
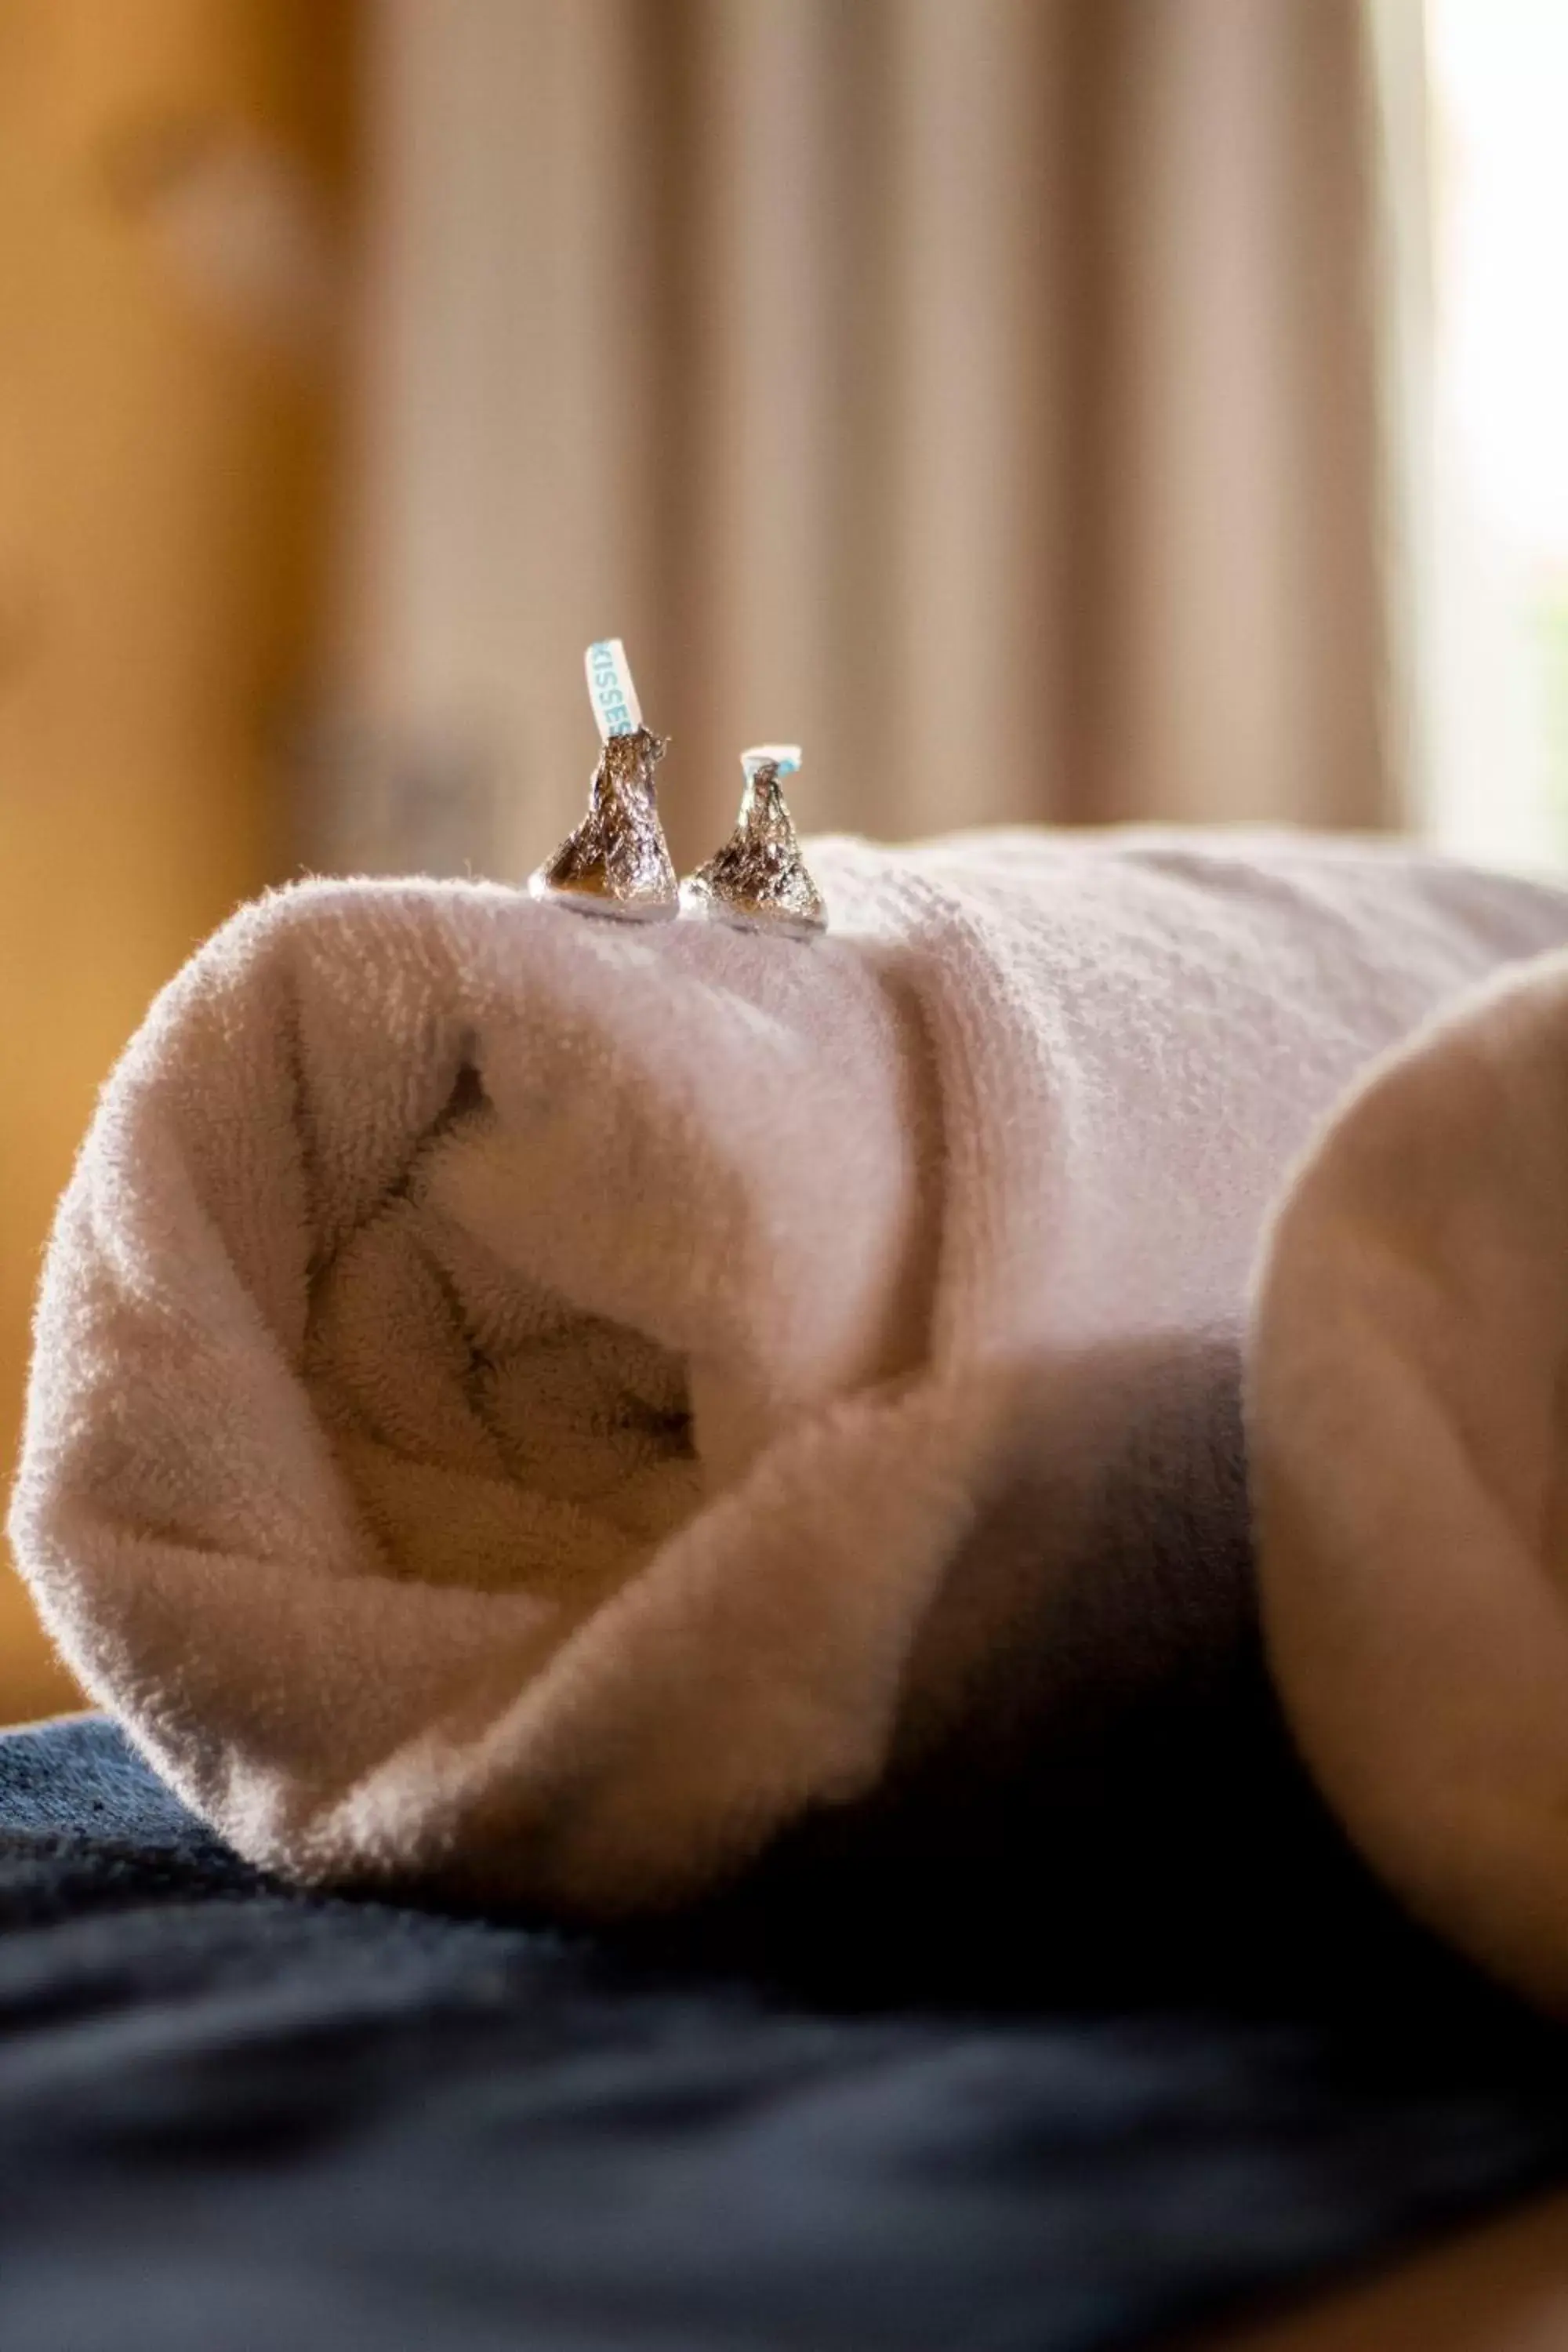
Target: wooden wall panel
[[172, 178]]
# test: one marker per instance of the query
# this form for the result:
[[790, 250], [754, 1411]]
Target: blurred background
[[1062, 409]]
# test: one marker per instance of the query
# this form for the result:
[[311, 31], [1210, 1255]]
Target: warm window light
[[1500, 144]]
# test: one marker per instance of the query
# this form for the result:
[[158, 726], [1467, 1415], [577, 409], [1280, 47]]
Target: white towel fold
[[533, 1406]]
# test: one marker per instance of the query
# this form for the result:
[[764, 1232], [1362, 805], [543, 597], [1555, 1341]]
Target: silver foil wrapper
[[615, 862], [759, 880]]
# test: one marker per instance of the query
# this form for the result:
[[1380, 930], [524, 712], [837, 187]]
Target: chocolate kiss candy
[[615, 862], [759, 880]]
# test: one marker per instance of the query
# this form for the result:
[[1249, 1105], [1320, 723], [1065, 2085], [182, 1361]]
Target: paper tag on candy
[[610, 689], [785, 757]]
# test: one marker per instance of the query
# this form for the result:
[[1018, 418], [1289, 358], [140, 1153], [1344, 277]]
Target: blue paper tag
[[616, 709]]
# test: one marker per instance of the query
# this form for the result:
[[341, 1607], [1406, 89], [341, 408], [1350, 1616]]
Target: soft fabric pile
[[530, 1407]]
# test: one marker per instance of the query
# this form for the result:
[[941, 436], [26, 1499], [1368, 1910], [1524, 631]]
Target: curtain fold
[[985, 394]]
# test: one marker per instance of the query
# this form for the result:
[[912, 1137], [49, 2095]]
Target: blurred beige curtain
[[985, 392]]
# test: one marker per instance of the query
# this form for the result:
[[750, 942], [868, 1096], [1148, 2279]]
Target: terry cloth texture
[[235, 2118], [1409, 1412], [534, 1407]]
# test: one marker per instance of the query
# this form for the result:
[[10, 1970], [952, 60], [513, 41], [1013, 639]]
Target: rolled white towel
[[1407, 1403], [533, 1406]]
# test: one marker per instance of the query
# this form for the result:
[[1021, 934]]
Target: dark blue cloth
[[233, 2118]]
